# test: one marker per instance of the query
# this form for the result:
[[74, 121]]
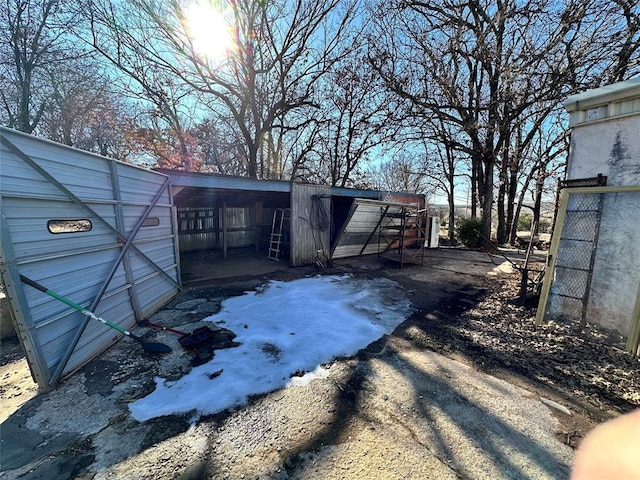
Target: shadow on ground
[[395, 411]]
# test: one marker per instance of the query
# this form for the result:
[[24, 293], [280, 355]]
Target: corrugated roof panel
[[56, 336], [207, 180], [136, 189], [152, 297], [158, 223], [28, 220], [164, 262], [20, 179], [75, 278], [85, 179]]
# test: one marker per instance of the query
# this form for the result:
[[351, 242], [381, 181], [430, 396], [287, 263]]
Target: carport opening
[[226, 233]]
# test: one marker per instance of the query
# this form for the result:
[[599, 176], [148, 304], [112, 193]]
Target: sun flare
[[209, 29]]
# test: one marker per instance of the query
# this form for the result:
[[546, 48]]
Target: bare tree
[[280, 52], [626, 58], [355, 119], [404, 172], [84, 111], [126, 39], [33, 41], [496, 69]]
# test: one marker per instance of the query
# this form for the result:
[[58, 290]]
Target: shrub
[[468, 232], [524, 222], [544, 226]]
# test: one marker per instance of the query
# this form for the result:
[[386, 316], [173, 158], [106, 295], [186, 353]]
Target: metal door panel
[[118, 268]]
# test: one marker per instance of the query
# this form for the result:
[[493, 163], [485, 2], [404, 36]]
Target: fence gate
[[97, 231], [576, 255], [593, 271]]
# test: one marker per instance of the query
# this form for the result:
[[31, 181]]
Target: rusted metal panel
[[405, 198], [310, 224]]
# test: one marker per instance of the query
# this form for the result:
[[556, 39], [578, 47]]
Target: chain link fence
[[593, 271], [569, 293]]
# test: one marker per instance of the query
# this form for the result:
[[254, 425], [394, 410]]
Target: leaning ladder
[[279, 217]]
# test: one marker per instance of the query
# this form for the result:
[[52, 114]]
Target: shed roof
[[211, 180], [603, 95], [199, 181], [614, 101]]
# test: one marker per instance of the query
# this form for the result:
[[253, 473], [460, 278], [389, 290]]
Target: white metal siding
[[362, 229], [114, 197]]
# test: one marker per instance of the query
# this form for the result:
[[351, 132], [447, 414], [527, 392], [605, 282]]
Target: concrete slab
[[201, 267]]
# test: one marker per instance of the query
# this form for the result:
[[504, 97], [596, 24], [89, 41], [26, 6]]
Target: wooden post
[[259, 220], [633, 342], [549, 269], [217, 222], [224, 230]]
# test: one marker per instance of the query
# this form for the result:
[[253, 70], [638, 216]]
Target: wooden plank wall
[[305, 240]]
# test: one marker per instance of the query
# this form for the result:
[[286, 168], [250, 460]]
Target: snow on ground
[[284, 328]]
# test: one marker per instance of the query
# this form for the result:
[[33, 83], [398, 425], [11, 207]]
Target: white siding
[[605, 140], [113, 196]]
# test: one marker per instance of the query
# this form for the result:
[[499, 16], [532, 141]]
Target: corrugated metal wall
[[360, 234], [358, 230], [361, 231], [121, 263], [307, 236], [197, 229], [202, 228], [241, 226]]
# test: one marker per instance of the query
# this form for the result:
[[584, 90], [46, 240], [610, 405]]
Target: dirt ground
[[467, 387]]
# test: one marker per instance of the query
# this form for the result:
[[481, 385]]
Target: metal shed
[[109, 236], [395, 230], [93, 229], [223, 213], [216, 212]]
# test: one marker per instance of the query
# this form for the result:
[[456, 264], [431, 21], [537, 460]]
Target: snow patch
[[284, 328]]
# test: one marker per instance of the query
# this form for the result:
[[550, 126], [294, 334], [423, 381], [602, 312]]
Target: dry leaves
[[499, 333]]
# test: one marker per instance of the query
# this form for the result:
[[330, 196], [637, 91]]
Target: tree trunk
[[537, 202], [252, 161], [520, 201], [474, 174], [512, 191], [452, 213], [501, 233], [24, 123], [486, 194]]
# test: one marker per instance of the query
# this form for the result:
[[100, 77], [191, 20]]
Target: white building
[[595, 255]]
